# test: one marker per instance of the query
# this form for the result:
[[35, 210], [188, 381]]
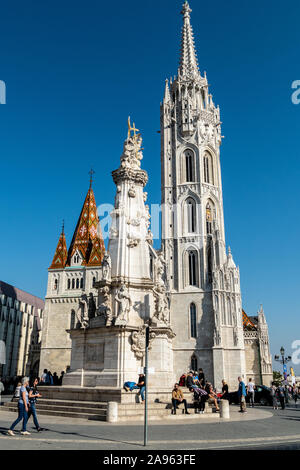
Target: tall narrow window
[[69, 283], [209, 218], [192, 268], [77, 283], [223, 311], [55, 284], [208, 168], [193, 320], [81, 283], [189, 165], [191, 215], [209, 265], [194, 363], [73, 283]]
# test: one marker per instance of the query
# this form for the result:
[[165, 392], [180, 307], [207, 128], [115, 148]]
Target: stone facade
[[257, 348], [188, 292], [21, 320]]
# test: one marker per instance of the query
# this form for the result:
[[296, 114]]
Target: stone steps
[[132, 410]]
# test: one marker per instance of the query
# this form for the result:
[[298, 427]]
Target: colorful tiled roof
[[87, 238], [248, 324], [61, 253]]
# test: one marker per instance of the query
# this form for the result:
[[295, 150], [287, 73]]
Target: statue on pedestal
[[124, 300], [161, 313], [82, 312], [105, 307], [106, 267]]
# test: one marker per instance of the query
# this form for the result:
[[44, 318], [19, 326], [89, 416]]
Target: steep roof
[[61, 253], [249, 323], [87, 238]]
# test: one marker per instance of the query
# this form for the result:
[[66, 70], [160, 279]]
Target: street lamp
[[283, 360]]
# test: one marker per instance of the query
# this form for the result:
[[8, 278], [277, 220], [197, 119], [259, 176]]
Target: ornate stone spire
[[128, 243], [188, 68], [61, 254], [167, 97], [87, 238]]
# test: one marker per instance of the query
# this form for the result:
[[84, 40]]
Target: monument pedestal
[[110, 356]]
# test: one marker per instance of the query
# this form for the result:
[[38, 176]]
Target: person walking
[[295, 394], [33, 395], [177, 399], [251, 392], [242, 395], [22, 409], [273, 393], [281, 395]]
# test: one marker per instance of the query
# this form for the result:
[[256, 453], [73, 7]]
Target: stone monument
[[108, 348]]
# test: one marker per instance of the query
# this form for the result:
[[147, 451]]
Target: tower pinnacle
[[188, 66]]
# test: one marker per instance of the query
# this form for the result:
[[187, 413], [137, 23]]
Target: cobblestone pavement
[[261, 427]]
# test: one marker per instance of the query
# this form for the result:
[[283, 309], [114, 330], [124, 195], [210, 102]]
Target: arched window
[[208, 168], [189, 165], [69, 283], [191, 215], [77, 283], [194, 363], [209, 217], [55, 284], [81, 283], [73, 283], [193, 267], [193, 320]]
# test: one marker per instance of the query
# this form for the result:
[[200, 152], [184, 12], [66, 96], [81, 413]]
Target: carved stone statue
[[82, 312], [106, 266], [161, 313], [105, 307], [160, 268], [217, 337], [124, 300]]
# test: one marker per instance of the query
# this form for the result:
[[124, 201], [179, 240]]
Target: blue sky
[[75, 70]]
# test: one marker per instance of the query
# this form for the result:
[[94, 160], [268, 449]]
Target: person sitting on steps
[[177, 399]]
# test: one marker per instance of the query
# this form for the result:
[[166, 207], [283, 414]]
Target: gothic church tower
[[203, 280]]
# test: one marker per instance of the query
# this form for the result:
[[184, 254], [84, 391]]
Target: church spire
[[188, 67], [87, 238], [61, 254]]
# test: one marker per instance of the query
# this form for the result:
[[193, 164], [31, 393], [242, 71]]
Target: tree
[[277, 377]]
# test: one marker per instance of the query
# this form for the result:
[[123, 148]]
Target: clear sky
[[75, 70]]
